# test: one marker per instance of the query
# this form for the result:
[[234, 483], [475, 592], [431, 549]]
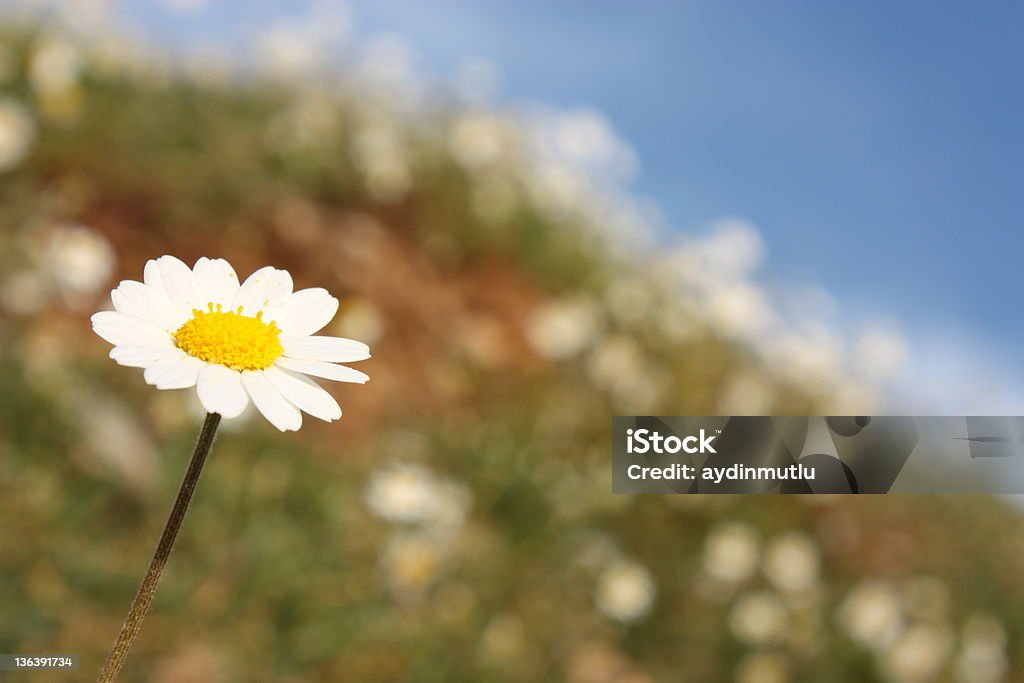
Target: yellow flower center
[[230, 339]]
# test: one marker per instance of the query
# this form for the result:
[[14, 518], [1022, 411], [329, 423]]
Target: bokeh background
[[457, 524]]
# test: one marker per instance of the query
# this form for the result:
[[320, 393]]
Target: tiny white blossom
[[80, 259], [412, 494], [871, 614], [561, 329], [791, 562], [731, 552], [982, 657], [918, 655], [480, 139], [758, 618], [626, 591]]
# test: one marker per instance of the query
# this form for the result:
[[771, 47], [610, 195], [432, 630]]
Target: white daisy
[[199, 328]]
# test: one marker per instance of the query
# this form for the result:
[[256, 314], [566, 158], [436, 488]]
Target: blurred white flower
[[24, 292], [82, 260], [630, 299], [378, 152], [53, 67], [731, 552], [563, 328], [285, 51], [402, 493], [984, 631], [594, 550], [557, 189], [583, 140], [411, 564], [871, 614], [114, 437], [479, 139], [918, 655], [626, 591], [730, 252], [17, 131], [618, 366], [412, 494], [811, 357], [979, 666], [762, 667], [304, 45], [982, 657], [733, 248], [361, 320], [792, 562], [758, 618], [616, 358], [747, 394], [740, 309]]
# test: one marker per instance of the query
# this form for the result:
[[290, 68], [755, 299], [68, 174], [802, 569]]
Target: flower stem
[[133, 622]]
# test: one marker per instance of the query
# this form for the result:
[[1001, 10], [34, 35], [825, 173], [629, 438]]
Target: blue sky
[[876, 145]]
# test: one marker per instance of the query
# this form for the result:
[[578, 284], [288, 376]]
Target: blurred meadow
[[457, 524]]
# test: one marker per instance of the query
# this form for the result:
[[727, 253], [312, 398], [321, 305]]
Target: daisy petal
[[329, 349], [151, 276], [304, 394], [175, 374], [179, 283], [318, 368], [220, 391], [266, 288], [144, 356], [216, 281], [305, 312], [278, 411], [126, 330], [139, 300]]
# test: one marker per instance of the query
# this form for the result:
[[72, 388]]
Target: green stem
[[133, 622]]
